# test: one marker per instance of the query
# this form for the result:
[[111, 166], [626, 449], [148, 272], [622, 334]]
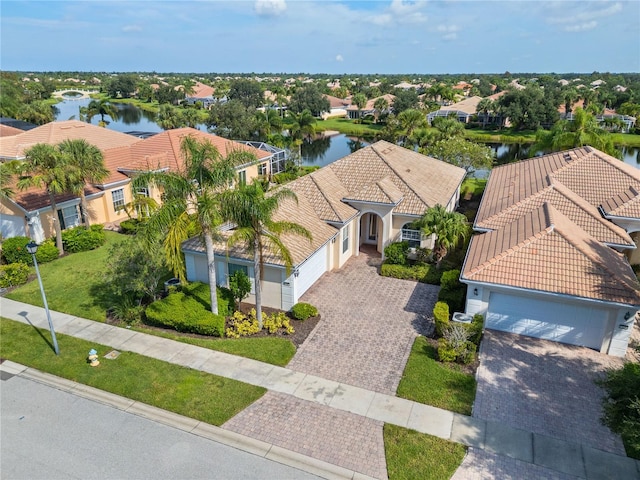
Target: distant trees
[[233, 120], [309, 97], [122, 86], [247, 92], [405, 99], [528, 109]]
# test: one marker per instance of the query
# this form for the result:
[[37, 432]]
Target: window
[[345, 239], [69, 217], [411, 235], [242, 177], [234, 267], [118, 199], [262, 169]]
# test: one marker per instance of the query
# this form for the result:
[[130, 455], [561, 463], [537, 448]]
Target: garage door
[[560, 322], [12, 226], [311, 270]]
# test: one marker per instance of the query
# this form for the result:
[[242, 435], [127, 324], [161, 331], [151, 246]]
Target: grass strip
[[425, 380], [411, 455], [199, 395]]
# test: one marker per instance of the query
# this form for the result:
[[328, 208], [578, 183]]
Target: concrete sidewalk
[[569, 458]]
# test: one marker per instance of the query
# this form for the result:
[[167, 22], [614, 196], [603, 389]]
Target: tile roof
[[371, 102], [545, 251], [55, 132], [468, 105], [9, 131], [569, 255]]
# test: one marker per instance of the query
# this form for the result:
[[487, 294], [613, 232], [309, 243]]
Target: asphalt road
[[49, 434]]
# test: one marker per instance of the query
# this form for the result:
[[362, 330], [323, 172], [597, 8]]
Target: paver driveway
[[368, 325], [364, 338], [544, 387]]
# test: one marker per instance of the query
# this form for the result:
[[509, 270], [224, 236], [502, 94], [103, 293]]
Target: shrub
[[622, 405], [47, 252], [241, 325], [130, 226], [423, 255], [128, 310], [201, 293], [441, 317], [185, 314], [396, 253], [82, 239], [453, 298], [13, 274], [14, 250], [455, 345], [302, 311], [239, 285], [276, 321], [446, 353], [450, 280]]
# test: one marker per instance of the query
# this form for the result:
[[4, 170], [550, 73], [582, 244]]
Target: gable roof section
[[578, 210], [55, 132], [421, 181], [545, 251], [324, 192]]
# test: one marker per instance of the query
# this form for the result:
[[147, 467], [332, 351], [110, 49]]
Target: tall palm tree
[[88, 161], [449, 229], [380, 105], [190, 204], [8, 170], [269, 122], [485, 106], [253, 212], [302, 126], [45, 166], [101, 107], [411, 119], [360, 101], [582, 130]]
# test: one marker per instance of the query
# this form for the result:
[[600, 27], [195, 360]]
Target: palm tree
[[253, 212], [45, 166], [8, 170], [411, 119], [190, 204], [303, 125], [269, 122], [485, 106], [582, 130], [380, 105], [360, 100], [448, 227], [101, 107], [88, 161]]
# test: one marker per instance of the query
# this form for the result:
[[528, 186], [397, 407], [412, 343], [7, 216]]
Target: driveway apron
[[367, 327]]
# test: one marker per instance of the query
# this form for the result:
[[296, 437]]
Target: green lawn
[[73, 285], [348, 127], [428, 381], [474, 185], [412, 455], [188, 392]]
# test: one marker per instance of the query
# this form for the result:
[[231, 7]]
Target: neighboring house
[[337, 107], [354, 112], [556, 236], [201, 93], [369, 197], [463, 111], [29, 212], [627, 122], [17, 124]]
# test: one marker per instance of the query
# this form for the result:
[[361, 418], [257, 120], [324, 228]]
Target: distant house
[[29, 212], [201, 93], [463, 111], [354, 112], [337, 107], [370, 197], [627, 122], [551, 259]]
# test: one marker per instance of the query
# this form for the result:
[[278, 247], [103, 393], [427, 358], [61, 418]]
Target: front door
[[369, 229]]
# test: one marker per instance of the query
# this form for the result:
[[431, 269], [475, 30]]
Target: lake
[[319, 152]]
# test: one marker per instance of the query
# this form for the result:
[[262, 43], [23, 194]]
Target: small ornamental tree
[[240, 286]]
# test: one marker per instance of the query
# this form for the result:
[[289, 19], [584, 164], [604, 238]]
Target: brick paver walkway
[[321, 432], [368, 325], [544, 387], [364, 338]]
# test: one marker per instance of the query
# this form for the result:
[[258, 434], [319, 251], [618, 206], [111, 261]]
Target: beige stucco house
[[369, 197]]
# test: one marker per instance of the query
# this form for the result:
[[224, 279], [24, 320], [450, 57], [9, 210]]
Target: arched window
[[411, 235]]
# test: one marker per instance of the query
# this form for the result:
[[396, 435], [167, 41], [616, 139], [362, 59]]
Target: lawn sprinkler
[[93, 358]]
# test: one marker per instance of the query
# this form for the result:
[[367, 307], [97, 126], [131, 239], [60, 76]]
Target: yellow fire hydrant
[[93, 358]]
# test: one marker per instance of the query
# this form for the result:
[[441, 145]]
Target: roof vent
[[567, 157]]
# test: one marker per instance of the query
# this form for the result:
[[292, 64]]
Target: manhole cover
[[113, 354]]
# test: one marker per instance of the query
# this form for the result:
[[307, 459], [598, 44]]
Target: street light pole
[[32, 248]]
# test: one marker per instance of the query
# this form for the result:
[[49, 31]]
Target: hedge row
[[422, 272], [14, 250], [184, 313]]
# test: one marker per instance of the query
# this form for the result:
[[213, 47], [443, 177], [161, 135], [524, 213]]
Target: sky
[[334, 37]]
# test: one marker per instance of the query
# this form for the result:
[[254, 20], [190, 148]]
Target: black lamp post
[[32, 248]]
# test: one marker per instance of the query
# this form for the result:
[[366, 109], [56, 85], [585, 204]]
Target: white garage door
[[311, 270], [12, 226], [560, 322]]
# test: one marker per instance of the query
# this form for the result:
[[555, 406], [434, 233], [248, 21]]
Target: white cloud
[[132, 28], [587, 19], [339, 58], [270, 8], [450, 32], [400, 12]]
